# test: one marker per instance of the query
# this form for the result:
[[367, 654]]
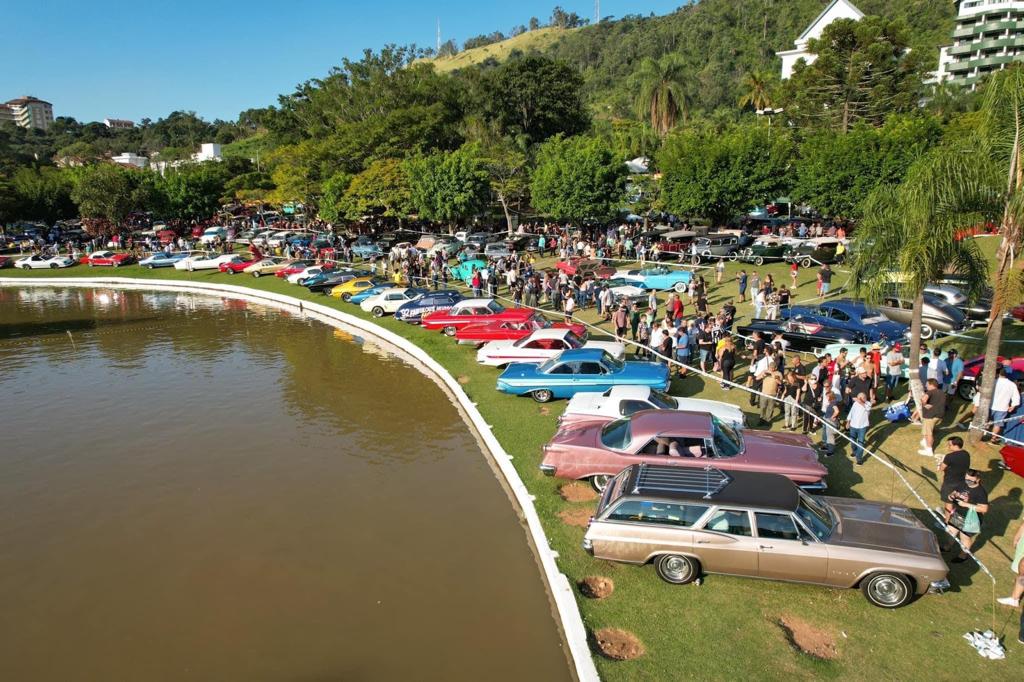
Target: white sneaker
[[1009, 601], [924, 443], [927, 452]]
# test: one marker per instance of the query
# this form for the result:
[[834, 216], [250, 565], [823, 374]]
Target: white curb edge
[[558, 584]]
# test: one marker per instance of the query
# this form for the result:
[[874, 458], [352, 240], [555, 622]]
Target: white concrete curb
[[558, 583]]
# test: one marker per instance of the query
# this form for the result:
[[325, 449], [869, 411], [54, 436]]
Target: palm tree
[[908, 239], [662, 92], [757, 90]]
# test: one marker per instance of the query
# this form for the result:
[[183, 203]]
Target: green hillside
[[539, 40]]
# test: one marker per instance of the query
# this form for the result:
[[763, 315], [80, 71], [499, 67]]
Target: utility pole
[[597, 11], [438, 34]]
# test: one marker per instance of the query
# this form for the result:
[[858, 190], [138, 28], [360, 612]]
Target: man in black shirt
[[954, 468], [826, 279], [860, 384], [967, 497]]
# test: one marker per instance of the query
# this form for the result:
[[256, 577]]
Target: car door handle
[[765, 546], [703, 542]]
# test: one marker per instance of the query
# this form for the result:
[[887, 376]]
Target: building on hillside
[[208, 151], [118, 123], [129, 159], [989, 35], [837, 9], [30, 112], [6, 114]]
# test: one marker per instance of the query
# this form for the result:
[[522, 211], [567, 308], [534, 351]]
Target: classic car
[[689, 522], [597, 450], [107, 258], [851, 316], [574, 371], [364, 247], [624, 401], [435, 301], [448, 246], [203, 261], [327, 280], [540, 346], [674, 245], [816, 252], [472, 311], [936, 315], [166, 236], [481, 238], [464, 270], [481, 332], [39, 261], [346, 290], [293, 267], [977, 313], [661, 277], [585, 267], [714, 247], [311, 271], [212, 234], [361, 296], [236, 265], [764, 250], [280, 238], [498, 250], [6, 262], [161, 259], [261, 237], [626, 291], [264, 266], [801, 334], [972, 370], [389, 300]]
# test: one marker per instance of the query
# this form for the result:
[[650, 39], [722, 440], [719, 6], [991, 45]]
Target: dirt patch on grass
[[618, 645], [463, 379], [808, 639], [577, 492], [545, 411], [596, 586], [575, 517]]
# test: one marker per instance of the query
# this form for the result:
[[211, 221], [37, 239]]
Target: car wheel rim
[[599, 482], [450, 331], [926, 331], [887, 590], [676, 568]]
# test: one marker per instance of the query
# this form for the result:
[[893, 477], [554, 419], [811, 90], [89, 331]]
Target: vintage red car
[[1018, 312], [513, 330], [6, 262], [472, 311], [294, 267], [166, 236], [585, 267], [972, 370], [1013, 458], [597, 450], [108, 258], [236, 265]]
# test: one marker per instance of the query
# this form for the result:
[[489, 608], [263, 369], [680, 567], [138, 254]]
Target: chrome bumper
[[820, 486], [938, 587], [547, 469]]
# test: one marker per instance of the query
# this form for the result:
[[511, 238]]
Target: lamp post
[[769, 112]]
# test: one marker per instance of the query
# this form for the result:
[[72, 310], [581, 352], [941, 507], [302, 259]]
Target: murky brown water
[[198, 489]]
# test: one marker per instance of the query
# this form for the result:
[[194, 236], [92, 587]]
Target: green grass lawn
[[727, 628]]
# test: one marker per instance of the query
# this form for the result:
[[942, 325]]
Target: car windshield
[[616, 435], [548, 366], [816, 515], [663, 401], [728, 442], [540, 322], [611, 363]]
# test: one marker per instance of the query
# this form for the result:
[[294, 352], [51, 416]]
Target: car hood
[[880, 526], [792, 453]]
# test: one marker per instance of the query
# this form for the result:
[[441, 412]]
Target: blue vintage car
[[412, 311], [464, 271], [852, 316], [575, 371], [660, 278], [162, 260], [365, 248], [372, 291]]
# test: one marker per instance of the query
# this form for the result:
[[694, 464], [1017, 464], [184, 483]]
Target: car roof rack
[[704, 481]]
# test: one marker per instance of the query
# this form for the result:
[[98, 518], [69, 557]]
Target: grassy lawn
[[728, 628]]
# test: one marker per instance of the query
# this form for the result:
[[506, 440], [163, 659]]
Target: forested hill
[[723, 40]]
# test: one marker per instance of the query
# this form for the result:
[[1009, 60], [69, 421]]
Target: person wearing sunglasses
[[970, 504]]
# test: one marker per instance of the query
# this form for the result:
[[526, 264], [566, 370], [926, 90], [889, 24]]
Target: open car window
[[730, 522], [776, 526], [562, 369]]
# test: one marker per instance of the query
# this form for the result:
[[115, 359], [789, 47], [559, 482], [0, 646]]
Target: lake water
[[196, 488]]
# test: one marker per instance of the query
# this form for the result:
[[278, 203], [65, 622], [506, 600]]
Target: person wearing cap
[[860, 383], [894, 361], [955, 372]]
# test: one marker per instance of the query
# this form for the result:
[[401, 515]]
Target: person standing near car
[[955, 372], [719, 270], [741, 280], [810, 399], [858, 420], [1005, 400], [954, 468], [826, 279], [934, 406], [829, 419], [620, 319], [970, 504]]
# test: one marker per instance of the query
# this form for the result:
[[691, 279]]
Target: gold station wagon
[[690, 521]]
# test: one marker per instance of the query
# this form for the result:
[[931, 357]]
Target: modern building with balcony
[[989, 35], [29, 112]]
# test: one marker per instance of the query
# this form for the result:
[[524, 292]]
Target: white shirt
[[894, 356], [1005, 397], [859, 414]]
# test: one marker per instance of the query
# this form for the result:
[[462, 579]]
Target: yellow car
[[348, 289], [266, 266]]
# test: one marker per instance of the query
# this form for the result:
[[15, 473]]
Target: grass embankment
[[729, 628], [524, 42]]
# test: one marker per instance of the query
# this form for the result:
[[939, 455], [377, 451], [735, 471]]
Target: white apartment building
[[208, 151], [989, 35], [129, 159], [28, 112]]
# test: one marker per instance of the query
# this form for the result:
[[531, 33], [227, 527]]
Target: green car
[[764, 250], [464, 271]]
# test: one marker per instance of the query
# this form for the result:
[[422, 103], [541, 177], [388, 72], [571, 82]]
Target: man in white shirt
[[1005, 399], [858, 420], [937, 368]]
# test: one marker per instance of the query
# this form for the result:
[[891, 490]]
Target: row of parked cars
[[692, 247]]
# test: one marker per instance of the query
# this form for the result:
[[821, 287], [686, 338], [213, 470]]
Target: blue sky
[[145, 59]]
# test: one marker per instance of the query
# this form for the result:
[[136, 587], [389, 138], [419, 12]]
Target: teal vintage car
[[764, 250], [583, 369], [464, 271]]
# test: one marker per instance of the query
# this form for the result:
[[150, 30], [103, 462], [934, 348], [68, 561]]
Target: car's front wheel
[[150, 266], [450, 331], [542, 395], [257, 273], [695, 259], [680, 287], [600, 482], [807, 262], [377, 311], [346, 297], [676, 568], [927, 331], [54, 266], [887, 590], [759, 260]]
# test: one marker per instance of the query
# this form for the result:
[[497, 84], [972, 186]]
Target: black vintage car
[[802, 335], [764, 250], [817, 252]]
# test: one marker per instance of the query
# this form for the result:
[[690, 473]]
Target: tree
[[382, 189], [43, 194], [562, 19], [906, 241], [534, 23], [507, 169], [105, 195], [448, 49], [758, 90], [718, 174], [193, 191], [332, 194], [863, 72], [662, 94], [577, 178], [534, 97], [448, 186]]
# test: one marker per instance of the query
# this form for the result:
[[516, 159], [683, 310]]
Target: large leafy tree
[[717, 174], [107, 193], [757, 90], [449, 186], [193, 191], [332, 195], [577, 178], [43, 194], [663, 92], [382, 189], [863, 72]]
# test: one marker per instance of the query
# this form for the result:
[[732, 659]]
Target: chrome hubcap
[[676, 568], [887, 590]]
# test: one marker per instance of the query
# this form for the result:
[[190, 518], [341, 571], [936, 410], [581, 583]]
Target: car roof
[[708, 484], [650, 423], [582, 355], [550, 333], [473, 302], [630, 392]]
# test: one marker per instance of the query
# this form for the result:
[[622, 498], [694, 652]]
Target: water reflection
[[194, 491]]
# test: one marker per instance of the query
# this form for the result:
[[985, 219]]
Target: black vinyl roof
[[709, 484]]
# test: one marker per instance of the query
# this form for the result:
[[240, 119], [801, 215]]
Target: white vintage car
[[203, 261], [296, 278], [390, 300], [541, 346], [622, 401], [38, 261]]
